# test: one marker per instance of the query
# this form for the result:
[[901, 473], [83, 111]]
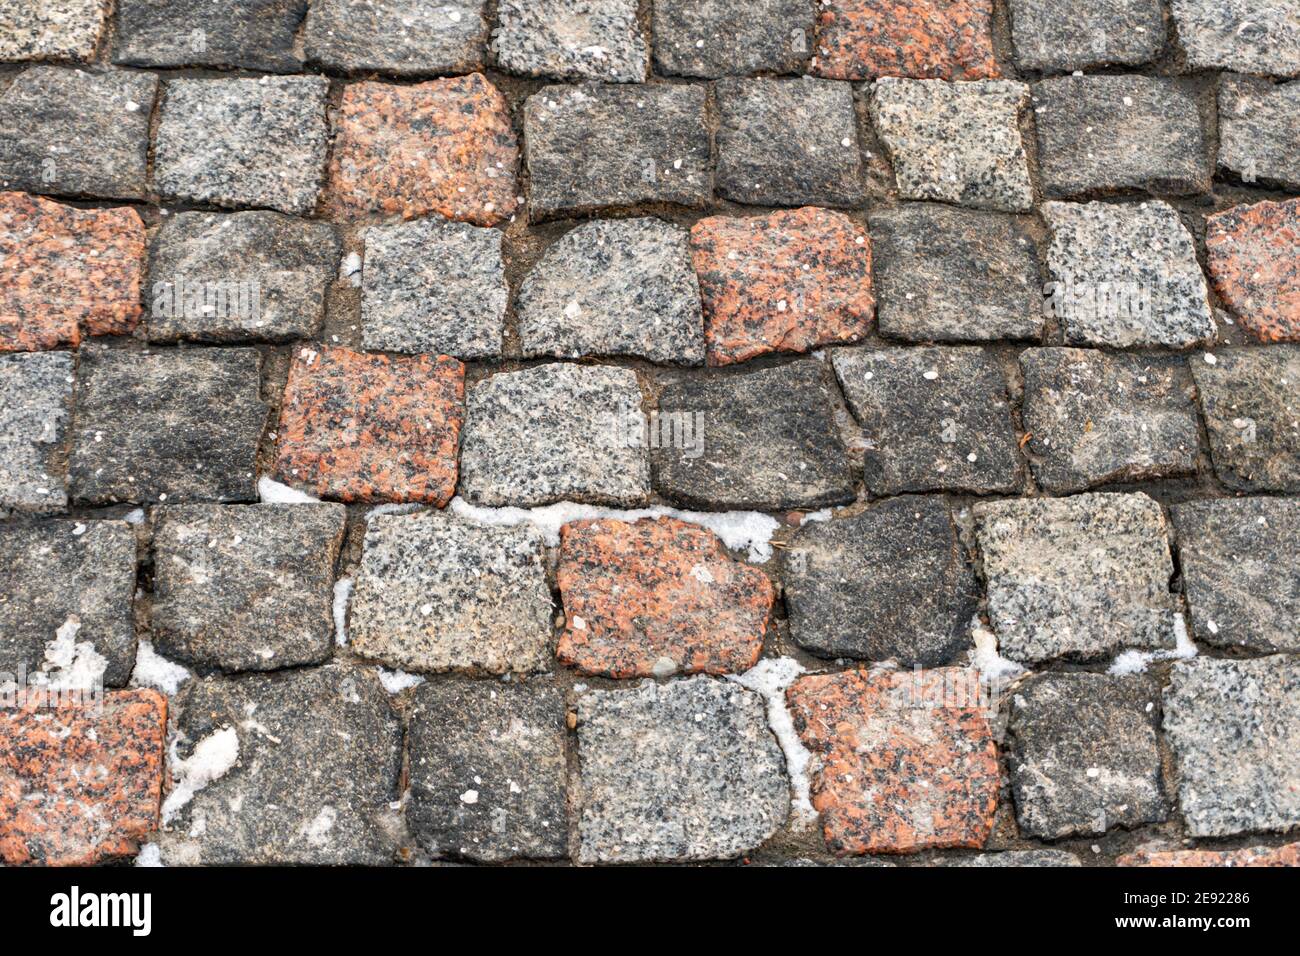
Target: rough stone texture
[[1259, 131], [593, 147], [434, 286], [1126, 275], [79, 786], [711, 38], [245, 588], [1288, 855], [1018, 858], [1102, 134], [954, 275], [764, 440], [360, 427], [320, 756], [35, 403], [1251, 404], [956, 142], [1238, 561], [76, 133], [436, 593], [1077, 578], [253, 34], [1234, 726], [1253, 257], [657, 597], [287, 262], [788, 142], [243, 142], [932, 418], [488, 770], [938, 39], [893, 582], [571, 40], [681, 771], [55, 572], [147, 425], [553, 433], [443, 147], [1097, 418], [789, 281], [1084, 755], [901, 767], [401, 37], [614, 287], [1245, 36], [1056, 36], [33, 30]]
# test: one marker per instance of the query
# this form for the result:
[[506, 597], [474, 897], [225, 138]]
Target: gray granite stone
[[253, 34], [1259, 131], [710, 38], [401, 37], [1057, 36], [1017, 858], [571, 40], [38, 30], [1246, 36], [35, 404]]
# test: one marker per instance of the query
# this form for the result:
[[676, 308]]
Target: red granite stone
[[927, 39], [1288, 855], [1253, 253]]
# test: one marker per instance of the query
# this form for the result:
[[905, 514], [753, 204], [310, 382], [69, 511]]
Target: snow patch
[[769, 678], [402, 508], [397, 681], [1135, 662], [992, 666], [212, 759], [150, 855], [274, 493], [154, 670], [134, 516], [350, 269], [70, 664], [342, 594]]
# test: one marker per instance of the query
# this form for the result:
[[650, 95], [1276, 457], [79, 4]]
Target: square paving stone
[[1234, 727], [360, 427], [1259, 131], [614, 287], [657, 597], [1102, 134], [571, 40], [147, 426], [788, 142], [246, 588], [553, 433], [1238, 561], [254, 34], [76, 133], [594, 147], [488, 774], [258, 276], [1253, 258], [243, 142], [276, 769], [945, 274], [437, 594], [1245, 36], [35, 404], [401, 37], [956, 142], [892, 583], [1084, 755], [903, 762], [686, 770], [939, 39], [711, 38], [434, 286], [1079, 578], [765, 440], [1097, 418], [443, 147], [1251, 402], [1057, 36], [37, 30], [1126, 275], [934, 419]]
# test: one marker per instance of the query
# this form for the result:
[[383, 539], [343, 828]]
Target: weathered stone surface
[[553, 433], [434, 286], [1246, 36], [954, 275], [70, 30], [571, 40], [243, 142], [245, 588], [313, 778], [1253, 257], [789, 281], [402, 37], [788, 142], [1018, 858], [35, 403], [279, 265], [254, 34], [78, 785], [940, 39], [892, 583], [488, 770], [1095, 418], [901, 767], [593, 147], [765, 440], [614, 287], [681, 771], [1102, 134], [1238, 561], [1251, 404], [933, 419], [657, 597], [956, 142], [1056, 36], [1234, 726], [1084, 755], [360, 427], [1078, 578], [76, 133], [710, 38], [436, 593], [1288, 855], [1126, 275], [180, 424], [1259, 130]]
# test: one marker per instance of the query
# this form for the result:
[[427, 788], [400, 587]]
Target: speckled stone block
[[37, 30], [1017, 858], [711, 38], [1245, 36], [1057, 36], [937, 39], [1253, 258], [252, 34], [35, 405], [401, 37], [571, 40], [1288, 855], [1259, 131], [673, 772]]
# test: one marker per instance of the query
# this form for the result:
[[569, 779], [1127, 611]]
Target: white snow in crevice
[[401, 508], [769, 678], [350, 269], [992, 666], [397, 681], [212, 758], [154, 670], [273, 493], [822, 515], [134, 516], [342, 593], [1135, 662], [69, 664], [150, 855]]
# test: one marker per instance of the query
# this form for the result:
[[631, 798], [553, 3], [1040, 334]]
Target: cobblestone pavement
[[794, 432]]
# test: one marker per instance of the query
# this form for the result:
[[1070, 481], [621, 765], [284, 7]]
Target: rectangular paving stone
[[1288, 855], [1253, 258], [253, 34], [712, 38], [35, 30], [1259, 131], [571, 40], [1057, 36], [35, 404], [1245, 36], [938, 39], [1016, 858], [401, 37]]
